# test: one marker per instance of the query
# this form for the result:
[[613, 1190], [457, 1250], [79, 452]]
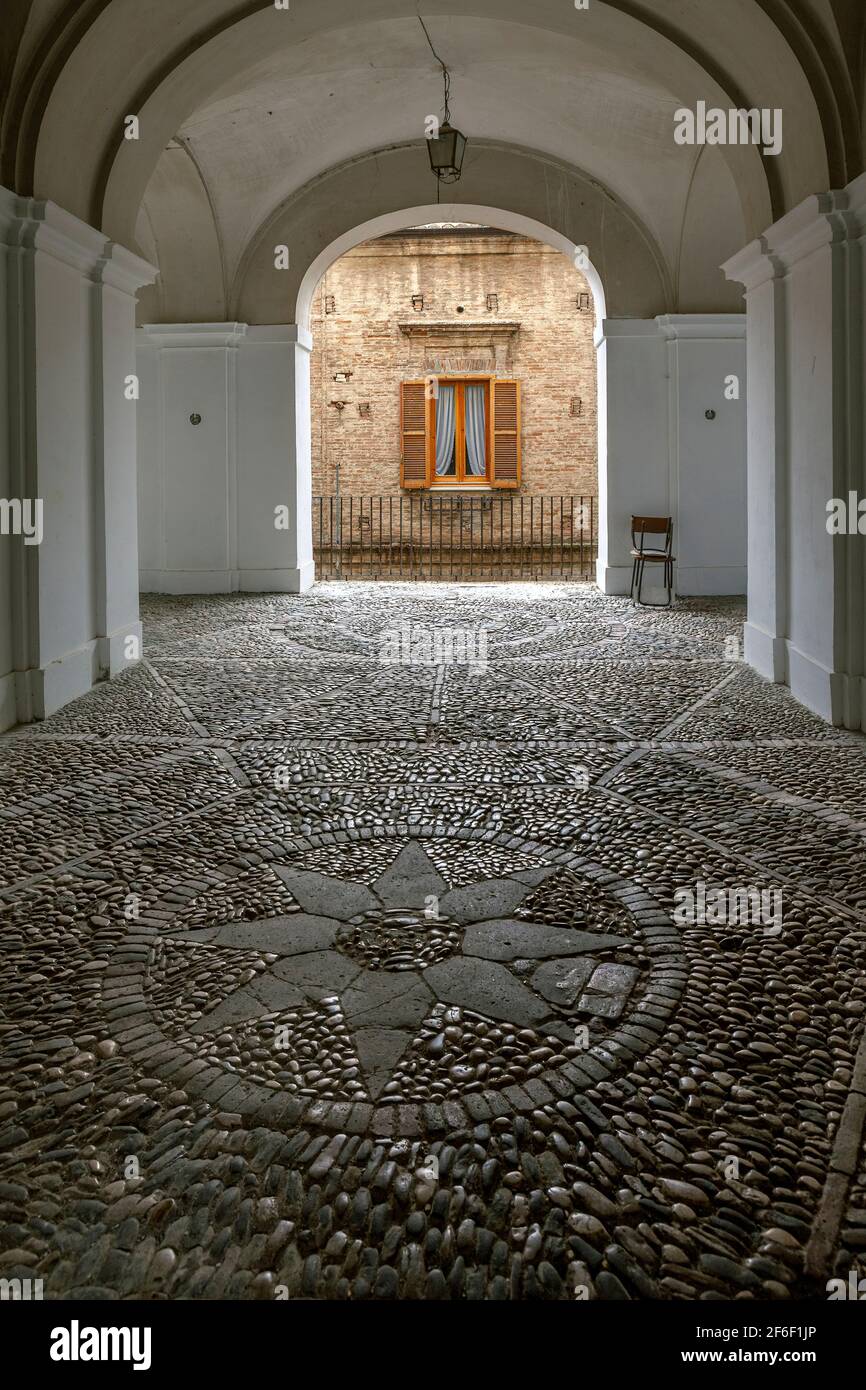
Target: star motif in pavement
[[328, 950]]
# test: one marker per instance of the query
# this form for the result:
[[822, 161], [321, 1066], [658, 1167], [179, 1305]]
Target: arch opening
[[401, 219], [528, 503]]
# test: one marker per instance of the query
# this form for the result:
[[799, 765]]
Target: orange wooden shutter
[[505, 434], [415, 434]]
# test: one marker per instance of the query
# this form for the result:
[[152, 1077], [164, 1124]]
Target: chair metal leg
[[667, 580]]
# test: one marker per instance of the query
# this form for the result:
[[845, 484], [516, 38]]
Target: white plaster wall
[[208, 493], [709, 459], [186, 472], [196, 479], [664, 458], [151, 536]]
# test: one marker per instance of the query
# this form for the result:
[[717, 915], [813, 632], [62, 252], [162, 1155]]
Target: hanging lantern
[[447, 146], [446, 153]]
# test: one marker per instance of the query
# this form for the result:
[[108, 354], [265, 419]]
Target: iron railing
[[492, 536]]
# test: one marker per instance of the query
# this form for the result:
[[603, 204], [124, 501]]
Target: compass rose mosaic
[[393, 980]]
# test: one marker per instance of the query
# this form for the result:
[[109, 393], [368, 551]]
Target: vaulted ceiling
[[257, 122]]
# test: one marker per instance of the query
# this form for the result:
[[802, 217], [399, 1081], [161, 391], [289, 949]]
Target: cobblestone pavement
[[329, 976]]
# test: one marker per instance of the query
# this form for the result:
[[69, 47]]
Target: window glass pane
[[476, 430], [446, 435]]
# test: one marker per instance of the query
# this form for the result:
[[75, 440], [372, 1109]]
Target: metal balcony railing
[[457, 536]]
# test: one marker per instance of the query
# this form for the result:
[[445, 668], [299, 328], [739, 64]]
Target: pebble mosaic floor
[[329, 976]]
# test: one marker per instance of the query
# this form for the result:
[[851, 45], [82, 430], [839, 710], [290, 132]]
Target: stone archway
[[399, 219]]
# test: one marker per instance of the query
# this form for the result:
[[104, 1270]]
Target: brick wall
[[535, 333]]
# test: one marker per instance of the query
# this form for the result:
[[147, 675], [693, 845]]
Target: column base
[[848, 694], [43, 690], [288, 581], [188, 582], [838, 698], [612, 579], [276, 581], [767, 654], [834, 695], [8, 701], [113, 651]]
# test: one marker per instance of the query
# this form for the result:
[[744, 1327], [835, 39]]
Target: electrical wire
[[446, 76]]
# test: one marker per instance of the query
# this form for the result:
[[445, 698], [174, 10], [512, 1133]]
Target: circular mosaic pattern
[[399, 940], [358, 1007]]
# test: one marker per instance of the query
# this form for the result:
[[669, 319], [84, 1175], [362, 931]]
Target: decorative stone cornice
[[754, 265], [123, 270], [38, 226], [856, 208], [823, 219], [461, 334]]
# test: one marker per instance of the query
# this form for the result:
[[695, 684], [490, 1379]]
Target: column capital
[[123, 270], [192, 335], [701, 327], [628, 328], [281, 333], [755, 265], [38, 225], [822, 219]]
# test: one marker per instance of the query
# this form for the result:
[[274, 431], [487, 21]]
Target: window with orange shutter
[[416, 434], [459, 431]]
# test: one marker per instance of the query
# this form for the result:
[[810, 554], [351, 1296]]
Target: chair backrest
[[652, 526]]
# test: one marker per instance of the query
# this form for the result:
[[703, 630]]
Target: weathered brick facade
[[532, 330]]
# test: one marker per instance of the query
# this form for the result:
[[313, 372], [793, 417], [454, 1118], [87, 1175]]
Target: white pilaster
[[805, 308], [633, 420], [274, 415], [69, 307], [117, 279], [767, 481]]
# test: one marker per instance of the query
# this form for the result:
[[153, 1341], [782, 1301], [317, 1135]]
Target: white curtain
[[476, 462], [445, 431]]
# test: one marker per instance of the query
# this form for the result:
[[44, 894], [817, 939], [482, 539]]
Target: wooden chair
[[642, 554]]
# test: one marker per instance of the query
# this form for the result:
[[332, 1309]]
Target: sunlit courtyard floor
[[344, 956]]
